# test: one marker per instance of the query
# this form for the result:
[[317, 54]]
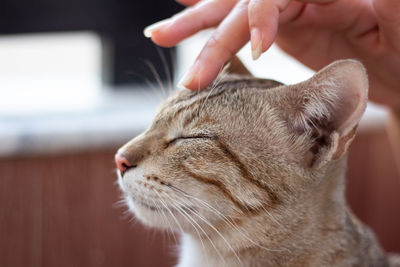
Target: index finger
[[231, 35]]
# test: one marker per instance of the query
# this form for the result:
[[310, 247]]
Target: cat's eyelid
[[196, 136]]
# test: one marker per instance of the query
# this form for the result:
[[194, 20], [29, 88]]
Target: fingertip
[[153, 28], [185, 81], [162, 39], [196, 78], [263, 21], [167, 35]]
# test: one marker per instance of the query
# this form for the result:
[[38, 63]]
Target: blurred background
[[77, 80]]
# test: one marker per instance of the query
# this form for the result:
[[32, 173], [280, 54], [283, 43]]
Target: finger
[[263, 23], [231, 35], [291, 12], [387, 13], [188, 2], [265, 16], [203, 15]]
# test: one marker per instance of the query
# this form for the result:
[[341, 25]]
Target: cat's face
[[243, 147]]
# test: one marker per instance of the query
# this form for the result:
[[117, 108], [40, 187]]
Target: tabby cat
[[252, 172]]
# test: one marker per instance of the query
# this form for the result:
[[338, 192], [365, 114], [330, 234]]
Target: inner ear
[[328, 107]]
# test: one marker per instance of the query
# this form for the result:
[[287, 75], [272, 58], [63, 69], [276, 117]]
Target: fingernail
[[148, 31], [256, 43], [185, 80], [188, 77]]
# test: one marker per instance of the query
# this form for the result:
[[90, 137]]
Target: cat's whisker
[[166, 68], [208, 95], [157, 77], [190, 220], [225, 219], [120, 203], [209, 208], [155, 90], [131, 219], [235, 227], [271, 216], [165, 218], [218, 232], [170, 212], [204, 233], [205, 100], [126, 213], [213, 87]]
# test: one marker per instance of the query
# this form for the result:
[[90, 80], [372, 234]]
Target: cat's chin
[[150, 215], [157, 216]]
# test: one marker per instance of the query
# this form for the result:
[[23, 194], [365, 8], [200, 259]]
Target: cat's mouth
[[147, 205], [162, 207]]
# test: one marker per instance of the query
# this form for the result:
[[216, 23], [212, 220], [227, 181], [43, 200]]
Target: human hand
[[316, 32]]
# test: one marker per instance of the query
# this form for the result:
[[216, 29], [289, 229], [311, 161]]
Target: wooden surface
[[394, 134], [373, 188], [60, 210]]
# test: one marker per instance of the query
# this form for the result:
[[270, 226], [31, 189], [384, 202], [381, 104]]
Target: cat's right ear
[[327, 107], [236, 66]]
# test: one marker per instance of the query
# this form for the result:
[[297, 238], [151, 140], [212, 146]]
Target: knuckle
[[215, 44]]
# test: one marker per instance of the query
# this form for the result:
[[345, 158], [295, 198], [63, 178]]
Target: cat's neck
[[270, 239]]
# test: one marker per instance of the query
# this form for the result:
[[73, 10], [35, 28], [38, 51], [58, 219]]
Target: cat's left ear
[[236, 66], [329, 106]]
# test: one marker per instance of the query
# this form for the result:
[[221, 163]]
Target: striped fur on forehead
[[184, 100]]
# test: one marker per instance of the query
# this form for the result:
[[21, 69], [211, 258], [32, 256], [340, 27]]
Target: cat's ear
[[329, 107], [236, 66]]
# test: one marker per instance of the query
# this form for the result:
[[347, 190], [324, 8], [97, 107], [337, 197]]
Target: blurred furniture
[[373, 186], [119, 23], [59, 210]]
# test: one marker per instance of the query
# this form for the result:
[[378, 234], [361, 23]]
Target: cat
[[252, 171]]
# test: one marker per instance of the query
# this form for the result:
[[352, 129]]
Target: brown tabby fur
[[253, 172]]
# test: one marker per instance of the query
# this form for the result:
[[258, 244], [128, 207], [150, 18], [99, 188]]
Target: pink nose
[[122, 163]]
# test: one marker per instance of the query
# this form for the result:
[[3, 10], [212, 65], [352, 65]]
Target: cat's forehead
[[223, 87], [221, 92]]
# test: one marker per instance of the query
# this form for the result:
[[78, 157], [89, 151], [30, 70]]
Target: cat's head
[[242, 147]]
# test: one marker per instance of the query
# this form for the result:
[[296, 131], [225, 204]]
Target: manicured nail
[[148, 31], [188, 77], [256, 43], [185, 80]]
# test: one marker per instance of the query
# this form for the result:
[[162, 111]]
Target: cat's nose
[[122, 163]]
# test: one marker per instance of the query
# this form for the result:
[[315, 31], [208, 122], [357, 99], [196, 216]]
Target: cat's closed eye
[[178, 140]]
